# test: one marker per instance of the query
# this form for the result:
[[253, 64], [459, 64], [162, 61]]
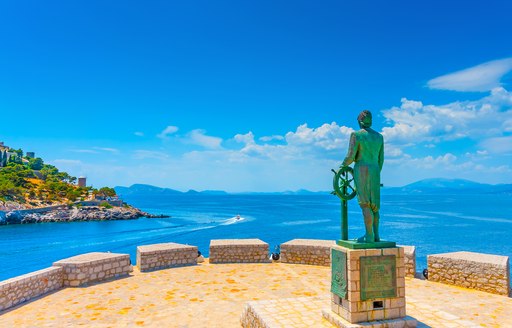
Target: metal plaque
[[378, 277], [339, 273]]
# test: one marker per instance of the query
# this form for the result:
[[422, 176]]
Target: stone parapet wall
[[23, 288], [92, 267], [307, 251], [239, 251], [167, 255], [409, 260], [485, 272]]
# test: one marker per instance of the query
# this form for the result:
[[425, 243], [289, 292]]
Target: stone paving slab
[[237, 242], [88, 258], [208, 295]]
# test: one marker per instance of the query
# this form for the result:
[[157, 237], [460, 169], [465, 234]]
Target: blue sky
[[259, 95]]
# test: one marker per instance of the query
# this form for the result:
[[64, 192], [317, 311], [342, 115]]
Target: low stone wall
[[486, 272], [23, 288], [92, 267], [238, 251], [307, 251], [409, 260], [160, 256]]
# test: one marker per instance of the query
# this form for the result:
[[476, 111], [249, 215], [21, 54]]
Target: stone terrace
[[207, 295]]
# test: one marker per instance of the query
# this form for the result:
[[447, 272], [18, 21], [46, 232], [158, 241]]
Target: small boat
[[237, 217]]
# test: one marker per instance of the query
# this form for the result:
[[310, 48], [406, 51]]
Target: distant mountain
[[288, 192], [143, 189], [426, 187], [449, 186]]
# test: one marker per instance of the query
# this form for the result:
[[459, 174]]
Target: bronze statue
[[366, 149]]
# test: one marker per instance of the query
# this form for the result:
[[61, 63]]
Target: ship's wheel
[[343, 183]]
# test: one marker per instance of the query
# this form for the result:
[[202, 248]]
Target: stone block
[[28, 286], [485, 272], [307, 251], [166, 255], [91, 267], [239, 251]]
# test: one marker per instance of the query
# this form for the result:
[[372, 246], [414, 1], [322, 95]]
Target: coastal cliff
[[73, 214]]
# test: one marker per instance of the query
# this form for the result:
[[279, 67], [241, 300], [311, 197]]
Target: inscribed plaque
[[339, 273], [378, 277]]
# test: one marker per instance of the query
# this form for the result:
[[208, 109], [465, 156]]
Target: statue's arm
[[381, 156], [352, 150]]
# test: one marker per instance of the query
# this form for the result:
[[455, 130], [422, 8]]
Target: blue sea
[[433, 223]]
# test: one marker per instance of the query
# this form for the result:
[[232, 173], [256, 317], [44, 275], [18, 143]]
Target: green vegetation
[[105, 204], [30, 180]]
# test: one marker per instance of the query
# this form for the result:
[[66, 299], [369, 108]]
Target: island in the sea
[[34, 192]]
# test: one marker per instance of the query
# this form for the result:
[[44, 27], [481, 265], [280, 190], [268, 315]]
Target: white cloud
[[327, 136], [198, 137], [247, 138], [142, 154], [170, 129], [139, 134], [85, 151], [483, 77], [422, 141], [106, 149], [271, 138], [414, 122], [96, 150], [66, 162], [497, 145]]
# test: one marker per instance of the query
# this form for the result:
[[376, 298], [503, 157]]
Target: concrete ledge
[[167, 255], [307, 251], [28, 286], [409, 260], [92, 267], [238, 251], [485, 272]]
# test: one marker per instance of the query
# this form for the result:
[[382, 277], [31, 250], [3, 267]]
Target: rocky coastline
[[74, 214]]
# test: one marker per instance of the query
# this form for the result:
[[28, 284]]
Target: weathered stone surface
[[23, 288], [239, 251], [167, 255], [410, 260], [307, 251], [354, 308], [485, 272], [79, 269]]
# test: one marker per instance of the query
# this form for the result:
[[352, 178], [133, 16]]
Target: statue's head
[[365, 119]]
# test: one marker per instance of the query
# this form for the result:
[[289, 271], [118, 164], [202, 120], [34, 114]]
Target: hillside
[[27, 182]]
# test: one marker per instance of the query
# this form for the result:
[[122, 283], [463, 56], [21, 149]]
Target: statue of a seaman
[[366, 149]]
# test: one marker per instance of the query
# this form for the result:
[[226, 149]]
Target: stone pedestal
[[368, 286]]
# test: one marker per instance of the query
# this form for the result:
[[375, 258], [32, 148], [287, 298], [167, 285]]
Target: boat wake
[[233, 220]]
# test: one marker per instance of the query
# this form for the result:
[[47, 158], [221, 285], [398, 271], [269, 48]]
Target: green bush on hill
[[30, 179]]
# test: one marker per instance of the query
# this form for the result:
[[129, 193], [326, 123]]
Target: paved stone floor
[[214, 295]]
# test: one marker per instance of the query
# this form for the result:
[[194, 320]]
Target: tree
[[104, 192], [35, 163]]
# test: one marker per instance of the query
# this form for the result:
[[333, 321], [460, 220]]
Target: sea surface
[[433, 223]]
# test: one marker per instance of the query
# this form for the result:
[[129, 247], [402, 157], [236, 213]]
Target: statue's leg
[[376, 218], [368, 224]]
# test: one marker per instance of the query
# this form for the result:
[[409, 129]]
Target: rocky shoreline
[[74, 214]]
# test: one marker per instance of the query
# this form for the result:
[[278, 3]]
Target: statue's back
[[370, 144]]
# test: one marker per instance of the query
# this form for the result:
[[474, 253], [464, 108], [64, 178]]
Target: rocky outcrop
[[85, 213]]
